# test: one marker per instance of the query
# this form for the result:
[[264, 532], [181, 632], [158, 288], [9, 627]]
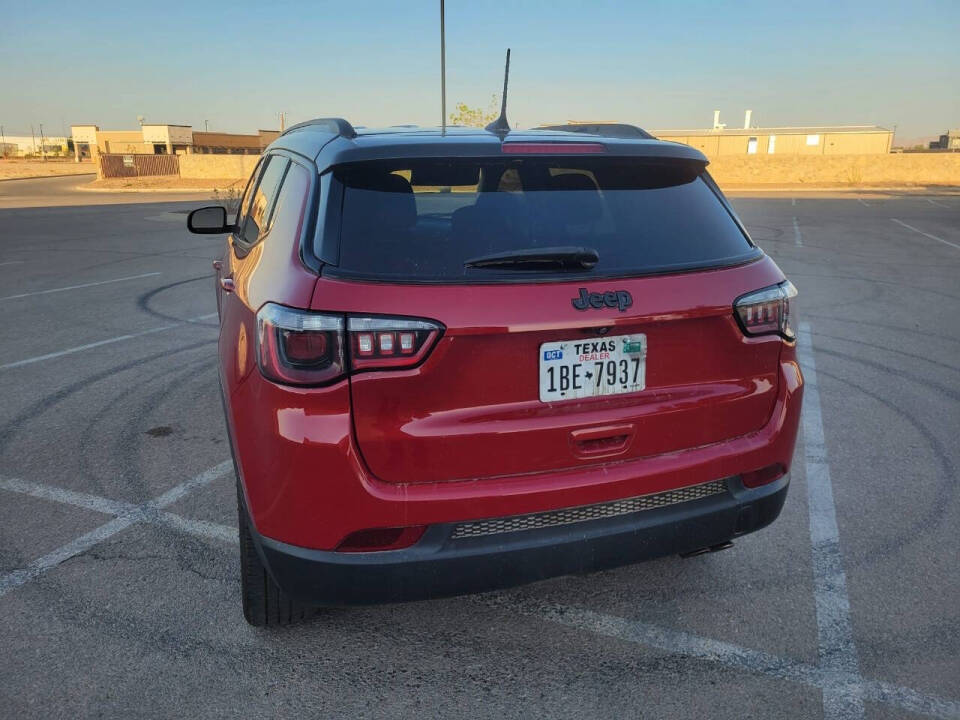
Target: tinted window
[[257, 222], [402, 221], [288, 210], [247, 192]]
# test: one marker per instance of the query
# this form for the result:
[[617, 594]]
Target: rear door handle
[[227, 284], [602, 441]]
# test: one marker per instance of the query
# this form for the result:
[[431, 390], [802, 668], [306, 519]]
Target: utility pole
[[3, 143], [443, 73], [206, 126], [43, 154], [33, 139]]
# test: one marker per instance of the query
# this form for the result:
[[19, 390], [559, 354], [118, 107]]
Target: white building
[[21, 145]]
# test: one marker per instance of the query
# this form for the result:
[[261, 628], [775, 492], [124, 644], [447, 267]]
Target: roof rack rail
[[338, 126]]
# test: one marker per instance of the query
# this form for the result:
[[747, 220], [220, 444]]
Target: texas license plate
[[592, 367]]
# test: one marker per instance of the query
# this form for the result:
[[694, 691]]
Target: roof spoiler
[[619, 130], [335, 125]]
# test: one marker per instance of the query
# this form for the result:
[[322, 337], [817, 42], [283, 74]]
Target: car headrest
[[584, 207], [385, 201]]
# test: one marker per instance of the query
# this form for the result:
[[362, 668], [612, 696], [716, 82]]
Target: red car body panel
[[472, 409]]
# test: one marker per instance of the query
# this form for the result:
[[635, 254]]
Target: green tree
[[475, 117]]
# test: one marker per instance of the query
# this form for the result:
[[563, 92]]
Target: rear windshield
[[424, 220]]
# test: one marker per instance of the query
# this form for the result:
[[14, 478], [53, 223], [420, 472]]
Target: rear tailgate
[[473, 410]]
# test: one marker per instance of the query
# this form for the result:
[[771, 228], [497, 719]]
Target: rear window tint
[[422, 220]]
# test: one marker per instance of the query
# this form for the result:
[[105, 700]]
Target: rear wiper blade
[[547, 258]]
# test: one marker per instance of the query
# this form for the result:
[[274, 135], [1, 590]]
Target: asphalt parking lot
[[119, 587]]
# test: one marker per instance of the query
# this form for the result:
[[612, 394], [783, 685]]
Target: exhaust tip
[[708, 549]]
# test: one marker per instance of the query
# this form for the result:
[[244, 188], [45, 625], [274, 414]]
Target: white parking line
[[863, 202], [830, 681], [77, 287], [131, 515], [68, 497], [150, 512], [837, 651], [797, 237], [12, 262], [83, 543], [932, 237], [793, 201], [200, 528], [934, 202], [108, 341]]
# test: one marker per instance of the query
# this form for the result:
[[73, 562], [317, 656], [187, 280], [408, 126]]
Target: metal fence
[[133, 165]]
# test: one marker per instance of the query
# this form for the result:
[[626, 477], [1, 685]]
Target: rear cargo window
[[423, 220]]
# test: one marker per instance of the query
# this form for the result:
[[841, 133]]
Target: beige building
[[149, 140], [748, 140], [233, 143], [839, 140], [164, 140]]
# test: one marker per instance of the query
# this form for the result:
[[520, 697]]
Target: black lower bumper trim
[[439, 565]]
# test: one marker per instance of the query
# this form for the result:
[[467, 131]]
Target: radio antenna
[[443, 74], [500, 124]]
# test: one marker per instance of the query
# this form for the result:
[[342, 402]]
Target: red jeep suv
[[457, 360]]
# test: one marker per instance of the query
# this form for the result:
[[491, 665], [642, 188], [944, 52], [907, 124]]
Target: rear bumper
[[441, 565], [306, 484]]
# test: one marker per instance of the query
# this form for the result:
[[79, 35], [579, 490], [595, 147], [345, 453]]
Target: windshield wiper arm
[[547, 258]]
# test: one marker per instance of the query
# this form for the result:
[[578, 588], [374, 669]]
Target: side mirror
[[209, 221]]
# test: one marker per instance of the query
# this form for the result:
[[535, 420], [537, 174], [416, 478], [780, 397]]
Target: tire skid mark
[[898, 372], [888, 349], [873, 281], [884, 326], [127, 442], [46, 403], [143, 301], [945, 486]]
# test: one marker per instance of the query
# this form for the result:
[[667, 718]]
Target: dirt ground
[[13, 168], [167, 183]]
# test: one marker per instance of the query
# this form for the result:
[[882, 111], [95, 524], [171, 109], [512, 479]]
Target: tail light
[[297, 347], [377, 342], [767, 311]]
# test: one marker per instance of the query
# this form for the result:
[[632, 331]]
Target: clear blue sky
[[660, 65]]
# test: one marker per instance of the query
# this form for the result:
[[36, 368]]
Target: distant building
[[950, 141], [231, 143], [748, 140], [165, 140], [27, 145], [826, 140], [148, 140]]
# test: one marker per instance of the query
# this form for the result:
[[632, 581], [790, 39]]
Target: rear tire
[[264, 603]]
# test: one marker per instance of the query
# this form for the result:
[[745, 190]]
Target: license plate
[[592, 367]]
